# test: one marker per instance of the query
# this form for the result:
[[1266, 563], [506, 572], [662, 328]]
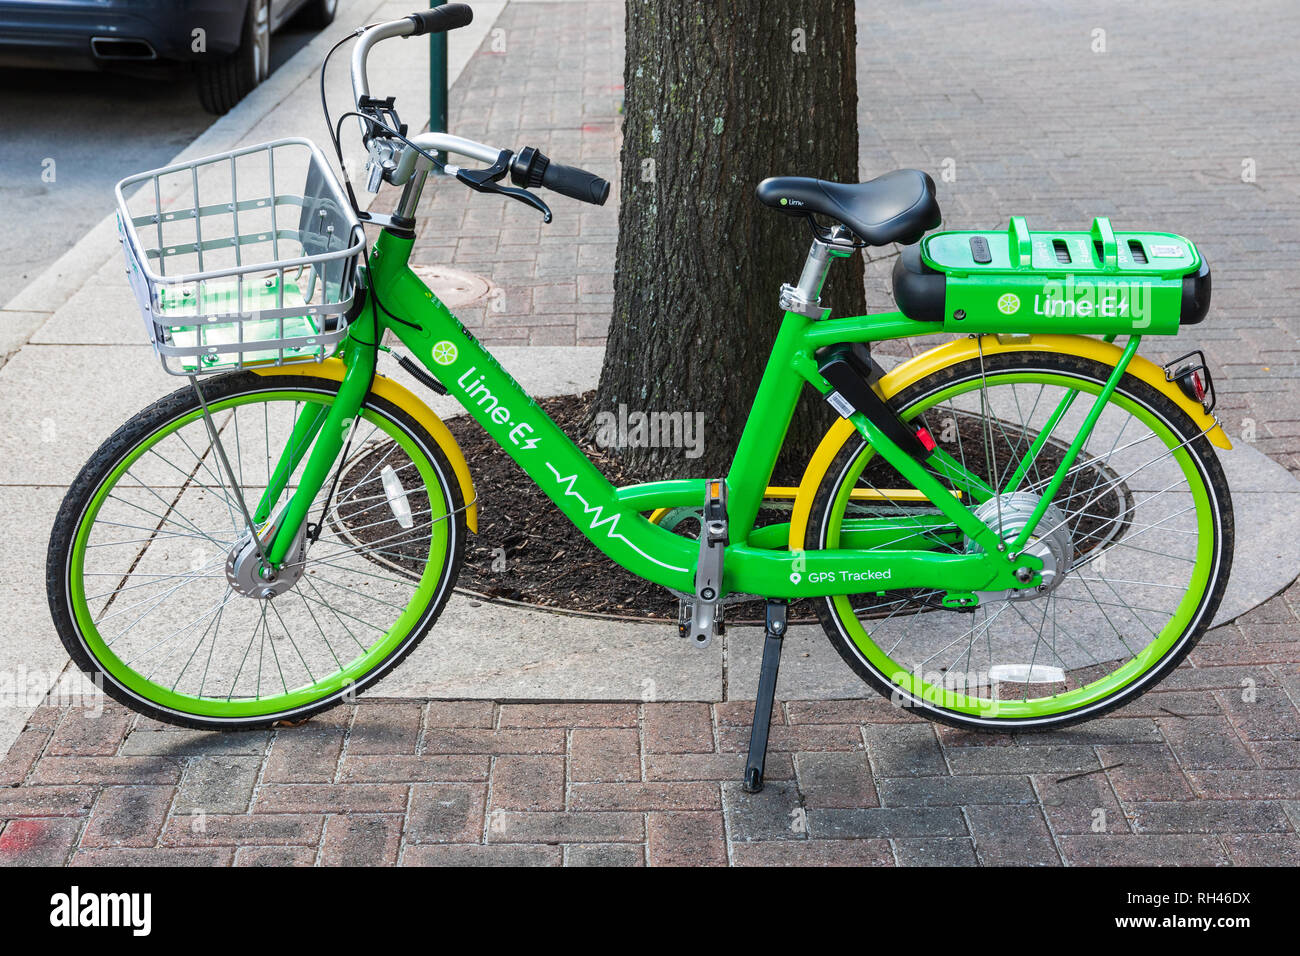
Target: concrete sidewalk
[[1205, 770]]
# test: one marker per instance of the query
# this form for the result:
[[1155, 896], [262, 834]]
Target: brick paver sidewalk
[[559, 87], [1204, 770]]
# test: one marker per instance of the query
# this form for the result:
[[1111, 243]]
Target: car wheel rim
[[262, 42]]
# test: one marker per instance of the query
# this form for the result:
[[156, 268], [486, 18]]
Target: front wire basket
[[234, 267]]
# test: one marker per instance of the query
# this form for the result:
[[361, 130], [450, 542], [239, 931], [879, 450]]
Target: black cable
[[324, 104], [338, 473], [396, 318], [329, 126], [374, 371]]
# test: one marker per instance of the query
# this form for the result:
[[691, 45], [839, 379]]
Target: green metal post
[[437, 78]]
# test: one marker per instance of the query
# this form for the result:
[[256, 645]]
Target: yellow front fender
[[407, 401], [959, 350]]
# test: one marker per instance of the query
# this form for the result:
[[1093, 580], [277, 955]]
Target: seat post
[[805, 298]]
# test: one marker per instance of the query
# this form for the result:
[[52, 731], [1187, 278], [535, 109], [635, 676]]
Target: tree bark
[[719, 95]]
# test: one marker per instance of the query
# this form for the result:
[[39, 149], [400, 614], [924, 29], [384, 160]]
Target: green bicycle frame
[[613, 519]]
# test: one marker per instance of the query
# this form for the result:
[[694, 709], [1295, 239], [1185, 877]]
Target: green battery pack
[[1098, 282]]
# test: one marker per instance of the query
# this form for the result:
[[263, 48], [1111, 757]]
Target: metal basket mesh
[[244, 258]]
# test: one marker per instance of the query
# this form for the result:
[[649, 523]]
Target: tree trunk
[[719, 95]]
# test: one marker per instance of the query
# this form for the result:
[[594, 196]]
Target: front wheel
[[143, 570], [1138, 540]]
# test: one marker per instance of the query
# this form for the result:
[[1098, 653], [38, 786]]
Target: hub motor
[[1054, 546], [248, 576]]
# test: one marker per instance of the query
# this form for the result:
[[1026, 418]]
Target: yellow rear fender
[[407, 401], [959, 350]]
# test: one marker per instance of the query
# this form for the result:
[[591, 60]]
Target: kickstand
[[775, 634]]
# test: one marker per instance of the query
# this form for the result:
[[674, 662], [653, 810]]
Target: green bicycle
[[1024, 527]]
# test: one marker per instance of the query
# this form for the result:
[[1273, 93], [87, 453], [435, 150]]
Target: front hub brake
[[250, 576]]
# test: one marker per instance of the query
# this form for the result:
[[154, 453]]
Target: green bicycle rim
[[336, 683], [918, 691]]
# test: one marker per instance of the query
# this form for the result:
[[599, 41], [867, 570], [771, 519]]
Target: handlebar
[[576, 184], [530, 168], [449, 16]]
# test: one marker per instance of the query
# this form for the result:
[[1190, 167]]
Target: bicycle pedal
[[701, 621]]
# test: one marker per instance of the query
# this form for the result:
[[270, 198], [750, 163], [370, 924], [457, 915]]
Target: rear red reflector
[[926, 439]]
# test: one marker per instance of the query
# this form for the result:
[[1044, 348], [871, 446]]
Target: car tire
[[223, 83], [317, 14]]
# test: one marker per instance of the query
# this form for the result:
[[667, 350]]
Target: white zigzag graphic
[[598, 520]]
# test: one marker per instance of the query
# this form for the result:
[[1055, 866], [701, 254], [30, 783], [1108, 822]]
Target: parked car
[[226, 42]]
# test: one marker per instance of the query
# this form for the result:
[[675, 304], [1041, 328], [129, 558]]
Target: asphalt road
[[90, 130]]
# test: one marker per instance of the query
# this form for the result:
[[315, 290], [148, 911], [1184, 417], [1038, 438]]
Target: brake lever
[[487, 181], [527, 198]]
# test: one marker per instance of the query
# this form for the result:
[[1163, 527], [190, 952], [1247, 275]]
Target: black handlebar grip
[[576, 183], [449, 16]]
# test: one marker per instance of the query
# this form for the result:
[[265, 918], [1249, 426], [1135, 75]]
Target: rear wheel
[[1139, 537], [145, 578]]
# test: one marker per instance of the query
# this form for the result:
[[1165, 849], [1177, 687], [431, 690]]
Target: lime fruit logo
[[1009, 304], [444, 352], [784, 201]]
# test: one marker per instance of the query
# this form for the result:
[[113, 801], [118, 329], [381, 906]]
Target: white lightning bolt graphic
[[598, 520]]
